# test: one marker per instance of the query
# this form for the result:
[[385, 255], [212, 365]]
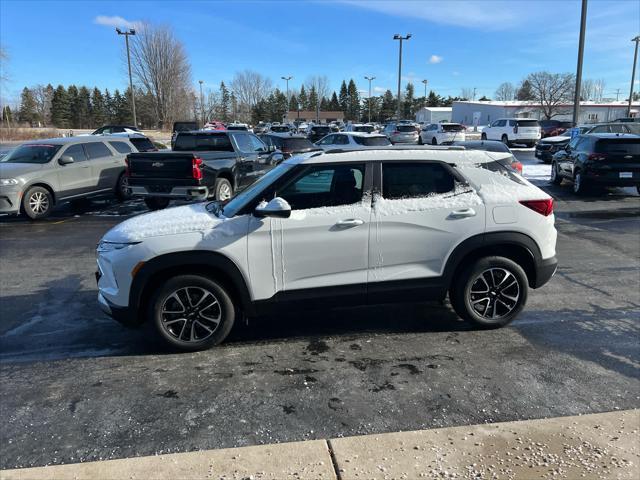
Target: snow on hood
[[171, 221], [556, 139]]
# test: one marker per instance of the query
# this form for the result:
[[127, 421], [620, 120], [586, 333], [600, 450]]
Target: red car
[[553, 128]]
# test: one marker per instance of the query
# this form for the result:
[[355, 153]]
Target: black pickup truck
[[203, 164]]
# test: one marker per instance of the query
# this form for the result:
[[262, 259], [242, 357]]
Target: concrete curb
[[597, 446]]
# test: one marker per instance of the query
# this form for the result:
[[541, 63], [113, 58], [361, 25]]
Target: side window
[[267, 140], [257, 145], [618, 128], [244, 143], [502, 123], [97, 150], [341, 140], [495, 124], [121, 147], [324, 186], [411, 180], [328, 140], [512, 123], [76, 152]]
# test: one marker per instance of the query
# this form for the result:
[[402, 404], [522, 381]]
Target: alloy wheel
[[39, 203], [191, 314], [224, 192], [494, 293]]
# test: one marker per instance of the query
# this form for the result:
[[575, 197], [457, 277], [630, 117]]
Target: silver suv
[[40, 174]]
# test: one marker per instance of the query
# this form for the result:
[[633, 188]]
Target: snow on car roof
[[443, 154], [362, 134]]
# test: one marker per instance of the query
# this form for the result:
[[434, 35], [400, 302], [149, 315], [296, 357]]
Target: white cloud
[[435, 59], [455, 73], [379, 89], [115, 21]]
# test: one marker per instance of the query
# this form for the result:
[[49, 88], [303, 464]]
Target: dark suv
[[602, 159], [318, 132]]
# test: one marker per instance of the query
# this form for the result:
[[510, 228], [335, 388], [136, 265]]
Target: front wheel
[[156, 203], [122, 188], [505, 140], [434, 141], [556, 179], [483, 136], [192, 312], [420, 142], [490, 293], [37, 203]]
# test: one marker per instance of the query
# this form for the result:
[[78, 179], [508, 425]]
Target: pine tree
[[324, 104], [388, 107], [60, 108], [354, 101], [83, 108], [293, 103], [407, 104], [48, 94], [312, 102], [525, 92], [433, 100], [334, 104], [27, 112], [108, 106], [303, 100], [72, 98], [224, 112], [343, 99], [98, 113]]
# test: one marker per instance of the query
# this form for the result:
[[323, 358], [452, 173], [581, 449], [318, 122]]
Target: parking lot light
[[397, 36], [133, 97], [633, 73], [369, 99], [286, 79]]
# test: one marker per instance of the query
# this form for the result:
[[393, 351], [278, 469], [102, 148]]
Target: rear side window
[[121, 147], [363, 128], [97, 150], [528, 123], [615, 146], [406, 128], [204, 142], [412, 180], [372, 141], [76, 152]]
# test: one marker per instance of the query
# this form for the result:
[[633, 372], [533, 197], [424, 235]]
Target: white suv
[[439, 133], [335, 229], [513, 130]]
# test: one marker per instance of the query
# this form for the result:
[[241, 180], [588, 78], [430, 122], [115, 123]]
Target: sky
[[455, 44]]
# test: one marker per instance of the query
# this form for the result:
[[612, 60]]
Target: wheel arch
[[212, 265], [42, 184], [515, 246]]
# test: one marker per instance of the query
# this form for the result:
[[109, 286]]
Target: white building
[[434, 114], [487, 112]]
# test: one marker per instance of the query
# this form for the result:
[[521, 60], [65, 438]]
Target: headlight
[[105, 247], [8, 181]]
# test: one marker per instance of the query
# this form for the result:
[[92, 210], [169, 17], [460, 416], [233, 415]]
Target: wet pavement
[[77, 386]]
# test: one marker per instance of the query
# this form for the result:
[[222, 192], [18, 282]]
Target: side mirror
[[65, 160], [271, 148], [277, 207]]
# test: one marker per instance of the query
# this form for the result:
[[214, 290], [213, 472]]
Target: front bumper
[[187, 193], [10, 198], [545, 269], [123, 315]]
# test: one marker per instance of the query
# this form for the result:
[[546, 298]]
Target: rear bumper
[[545, 269], [188, 193]]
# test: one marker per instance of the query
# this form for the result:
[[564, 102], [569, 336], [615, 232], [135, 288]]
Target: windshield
[[372, 141], [203, 142], [363, 128], [239, 201], [32, 153], [297, 144], [452, 128], [618, 146]]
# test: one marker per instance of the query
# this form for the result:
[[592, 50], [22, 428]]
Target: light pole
[[474, 94], [397, 36], [201, 103], [633, 73], [133, 98], [576, 97], [369, 99], [425, 81], [286, 79]]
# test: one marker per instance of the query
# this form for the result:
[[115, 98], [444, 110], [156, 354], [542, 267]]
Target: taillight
[[126, 168], [197, 170], [597, 157], [517, 166], [543, 207]]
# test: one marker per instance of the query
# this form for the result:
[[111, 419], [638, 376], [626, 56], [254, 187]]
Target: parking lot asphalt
[[77, 386]]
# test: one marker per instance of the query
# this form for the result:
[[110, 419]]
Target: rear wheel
[[37, 203], [483, 136], [122, 188], [156, 203], [490, 293], [505, 140], [579, 185], [222, 190], [434, 141], [420, 142], [556, 179], [192, 312]]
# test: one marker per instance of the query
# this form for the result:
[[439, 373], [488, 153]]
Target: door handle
[[350, 222], [467, 212]]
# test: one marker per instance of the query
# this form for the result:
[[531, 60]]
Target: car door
[[492, 132], [264, 159], [423, 211], [323, 246], [74, 178], [105, 166], [563, 158], [247, 159]]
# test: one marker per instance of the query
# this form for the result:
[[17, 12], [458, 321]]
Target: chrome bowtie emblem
[[157, 164]]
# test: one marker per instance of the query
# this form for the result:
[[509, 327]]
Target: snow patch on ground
[[537, 173]]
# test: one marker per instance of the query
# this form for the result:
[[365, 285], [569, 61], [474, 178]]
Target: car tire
[[579, 185], [505, 140], [420, 142], [222, 190], [483, 136], [156, 203], [556, 179], [434, 141], [37, 203], [122, 188], [506, 286], [638, 189], [206, 306]]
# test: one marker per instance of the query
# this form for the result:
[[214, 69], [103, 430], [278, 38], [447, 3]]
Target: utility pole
[[369, 99], [397, 36], [576, 98], [286, 79], [201, 103], [617, 94], [425, 81], [474, 94], [633, 73], [133, 97]]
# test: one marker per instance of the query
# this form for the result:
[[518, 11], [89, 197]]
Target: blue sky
[[455, 44]]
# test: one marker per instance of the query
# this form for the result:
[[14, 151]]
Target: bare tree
[[586, 89], [249, 88], [321, 84], [42, 97], [505, 91], [4, 58], [160, 65], [598, 89], [551, 91], [466, 93]]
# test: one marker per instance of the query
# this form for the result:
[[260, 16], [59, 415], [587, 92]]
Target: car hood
[[556, 139], [192, 218], [13, 170]]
